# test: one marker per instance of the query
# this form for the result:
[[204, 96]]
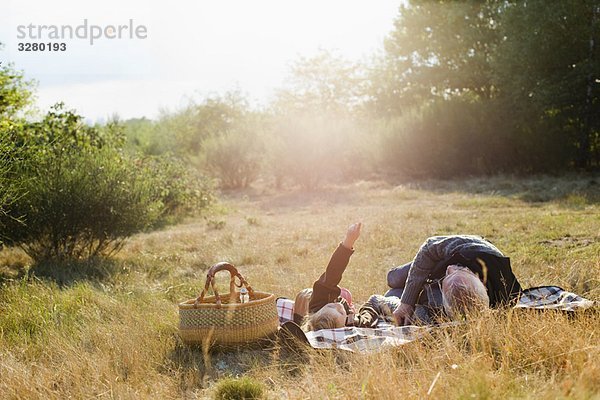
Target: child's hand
[[351, 235]]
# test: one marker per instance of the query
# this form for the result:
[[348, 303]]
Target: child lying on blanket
[[328, 306]]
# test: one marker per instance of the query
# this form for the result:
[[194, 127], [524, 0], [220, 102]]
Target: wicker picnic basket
[[223, 320]]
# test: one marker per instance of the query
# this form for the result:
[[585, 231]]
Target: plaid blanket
[[552, 298], [366, 340]]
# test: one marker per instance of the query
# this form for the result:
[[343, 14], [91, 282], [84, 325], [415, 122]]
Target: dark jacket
[[495, 272], [437, 252]]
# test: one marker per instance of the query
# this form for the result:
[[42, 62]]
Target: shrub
[[182, 191], [442, 140], [5, 195], [234, 158], [239, 389], [9, 188], [310, 148], [83, 206], [82, 196]]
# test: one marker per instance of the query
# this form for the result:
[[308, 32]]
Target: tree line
[[461, 88]]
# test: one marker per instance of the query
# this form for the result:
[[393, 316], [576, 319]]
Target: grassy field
[[109, 330]]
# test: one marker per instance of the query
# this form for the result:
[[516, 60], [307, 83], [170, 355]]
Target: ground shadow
[[196, 366], [296, 197], [570, 191], [67, 273]]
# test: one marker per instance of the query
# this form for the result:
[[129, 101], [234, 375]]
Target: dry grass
[[114, 336]]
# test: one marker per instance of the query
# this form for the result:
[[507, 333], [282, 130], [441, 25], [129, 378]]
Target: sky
[[179, 51]]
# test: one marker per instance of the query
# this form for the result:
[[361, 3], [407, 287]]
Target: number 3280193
[[42, 46]]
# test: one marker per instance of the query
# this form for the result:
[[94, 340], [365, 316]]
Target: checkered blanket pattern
[[285, 310], [367, 340], [552, 298]]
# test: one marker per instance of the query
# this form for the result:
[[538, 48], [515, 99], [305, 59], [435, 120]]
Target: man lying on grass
[[328, 306], [456, 269]]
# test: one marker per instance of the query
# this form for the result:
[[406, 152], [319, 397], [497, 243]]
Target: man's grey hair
[[462, 292]]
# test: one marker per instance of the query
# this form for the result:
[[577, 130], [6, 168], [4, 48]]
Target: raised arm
[[352, 235], [326, 289], [339, 260]]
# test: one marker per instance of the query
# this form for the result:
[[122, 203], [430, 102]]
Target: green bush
[[82, 196], [83, 206], [9, 188], [239, 389], [233, 158], [181, 190]]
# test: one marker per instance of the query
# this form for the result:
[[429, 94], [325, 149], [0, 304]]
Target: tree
[[314, 122], [15, 91], [526, 67], [9, 190], [215, 116], [325, 82], [235, 156], [545, 68], [437, 49]]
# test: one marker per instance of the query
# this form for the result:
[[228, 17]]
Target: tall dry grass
[[115, 336]]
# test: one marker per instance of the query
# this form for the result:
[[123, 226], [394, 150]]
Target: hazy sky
[[192, 47]]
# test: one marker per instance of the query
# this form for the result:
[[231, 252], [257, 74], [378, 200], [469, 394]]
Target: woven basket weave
[[225, 321]]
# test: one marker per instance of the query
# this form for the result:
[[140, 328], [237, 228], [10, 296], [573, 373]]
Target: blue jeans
[[396, 279]]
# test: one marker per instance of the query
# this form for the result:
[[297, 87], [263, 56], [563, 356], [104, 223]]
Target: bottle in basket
[[244, 297]]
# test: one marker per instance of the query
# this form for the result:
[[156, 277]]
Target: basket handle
[[210, 281]]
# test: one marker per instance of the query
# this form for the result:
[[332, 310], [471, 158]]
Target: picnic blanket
[[552, 298], [366, 340]]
